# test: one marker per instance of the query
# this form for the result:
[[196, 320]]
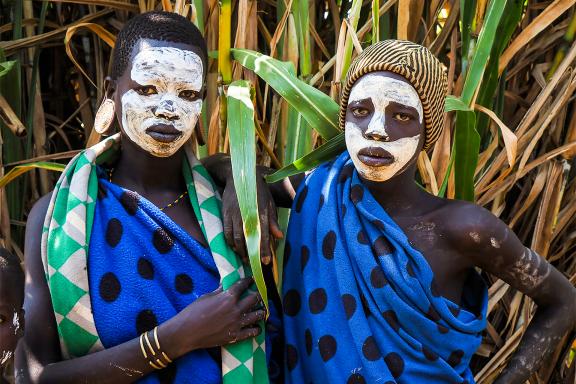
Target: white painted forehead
[[167, 64], [385, 89]]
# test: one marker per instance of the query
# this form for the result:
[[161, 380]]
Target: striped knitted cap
[[417, 65]]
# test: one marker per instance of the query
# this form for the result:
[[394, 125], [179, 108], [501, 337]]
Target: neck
[[398, 195], [140, 171]]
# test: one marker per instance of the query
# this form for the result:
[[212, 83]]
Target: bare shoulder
[[33, 239], [470, 227]]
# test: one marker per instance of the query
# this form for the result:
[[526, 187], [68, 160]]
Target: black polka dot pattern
[[455, 357], [145, 321], [308, 341], [327, 347], [363, 238], [145, 269], [321, 203], [184, 284], [356, 193], [317, 301], [378, 224], [356, 378], [109, 287], [292, 302], [114, 232], [370, 349], [429, 354], [395, 364], [377, 278], [349, 305], [291, 356], [129, 201], [346, 173], [304, 257], [343, 211], [162, 241], [381, 246], [391, 319], [328, 245], [301, 198]]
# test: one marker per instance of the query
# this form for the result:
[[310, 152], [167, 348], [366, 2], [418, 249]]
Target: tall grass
[[509, 141]]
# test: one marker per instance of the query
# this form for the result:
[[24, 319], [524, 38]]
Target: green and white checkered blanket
[[65, 244]]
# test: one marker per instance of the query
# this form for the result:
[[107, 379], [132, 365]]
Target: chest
[[429, 236]]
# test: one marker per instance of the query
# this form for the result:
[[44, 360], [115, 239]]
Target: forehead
[[166, 63], [384, 86]]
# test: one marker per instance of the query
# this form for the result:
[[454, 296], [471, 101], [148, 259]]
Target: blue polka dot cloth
[[143, 269], [360, 303]]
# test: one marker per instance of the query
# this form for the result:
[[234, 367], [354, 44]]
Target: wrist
[[175, 339]]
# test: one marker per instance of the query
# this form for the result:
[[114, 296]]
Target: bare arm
[[498, 251], [215, 319]]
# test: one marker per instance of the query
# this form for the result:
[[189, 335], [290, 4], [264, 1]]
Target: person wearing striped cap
[[380, 279]]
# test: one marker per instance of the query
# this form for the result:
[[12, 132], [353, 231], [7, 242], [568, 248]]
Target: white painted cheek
[[16, 323]]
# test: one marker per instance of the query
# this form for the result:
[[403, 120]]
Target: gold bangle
[[154, 365], [161, 363], [142, 346], [148, 342], [155, 332]]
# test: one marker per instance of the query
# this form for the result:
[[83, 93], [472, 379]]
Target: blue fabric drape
[[360, 303], [143, 269]]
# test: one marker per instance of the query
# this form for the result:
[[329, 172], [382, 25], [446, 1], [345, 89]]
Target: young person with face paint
[[380, 283], [125, 257]]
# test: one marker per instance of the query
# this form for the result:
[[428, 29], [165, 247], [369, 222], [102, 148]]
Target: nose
[[166, 110], [377, 128]]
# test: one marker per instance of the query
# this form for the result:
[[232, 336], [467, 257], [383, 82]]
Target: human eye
[[360, 112], [146, 90], [402, 116], [188, 94]]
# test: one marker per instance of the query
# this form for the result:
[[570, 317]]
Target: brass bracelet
[[155, 332]]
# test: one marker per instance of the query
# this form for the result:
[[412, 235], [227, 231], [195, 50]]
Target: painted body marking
[[382, 91], [170, 71]]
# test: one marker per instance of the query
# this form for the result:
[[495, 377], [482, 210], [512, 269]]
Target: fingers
[[248, 333], [238, 236], [249, 302], [265, 240], [240, 286], [273, 222], [252, 317]]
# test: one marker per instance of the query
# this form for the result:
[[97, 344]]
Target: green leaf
[[301, 19], [21, 169], [486, 40], [466, 149], [324, 153], [317, 108], [467, 8], [243, 152], [454, 103]]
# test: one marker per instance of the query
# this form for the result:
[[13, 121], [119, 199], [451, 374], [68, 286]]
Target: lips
[[163, 133], [375, 157]]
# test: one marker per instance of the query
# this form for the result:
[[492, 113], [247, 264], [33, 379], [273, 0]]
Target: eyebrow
[[360, 101]]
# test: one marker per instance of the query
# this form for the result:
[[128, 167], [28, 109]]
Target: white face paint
[[170, 116], [382, 91], [16, 322]]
